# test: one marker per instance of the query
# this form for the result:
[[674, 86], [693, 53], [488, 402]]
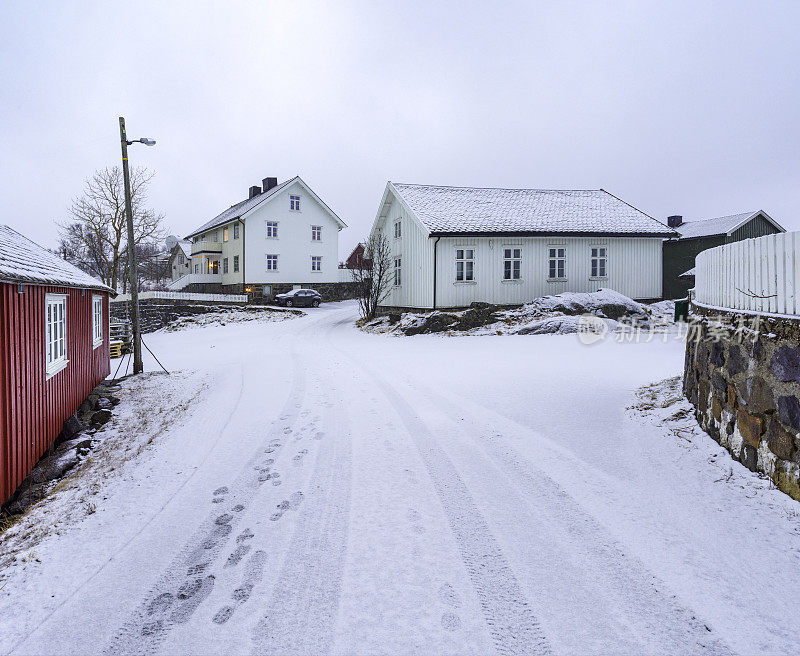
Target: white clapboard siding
[[759, 275], [185, 296]]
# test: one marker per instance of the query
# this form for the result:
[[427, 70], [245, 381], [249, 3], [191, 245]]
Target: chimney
[[255, 190], [674, 221], [269, 183]]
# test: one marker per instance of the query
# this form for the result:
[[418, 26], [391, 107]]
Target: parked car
[[300, 298]]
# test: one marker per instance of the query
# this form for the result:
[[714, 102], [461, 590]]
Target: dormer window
[[294, 203]]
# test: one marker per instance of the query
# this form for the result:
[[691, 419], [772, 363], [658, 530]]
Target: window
[[465, 260], [512, 263], [196, 268], [272, 262], [224, 234], [398, 230], [294, 203], [272, 229], [557, 263], [599, 262], [316, 233], [398, 271], [224, 265], [266, 290], [196, 239], [316, 263], [97, 320], [236, 263], [202, 237], [236, 231], [56, 332], [181, 259], [215, 236]]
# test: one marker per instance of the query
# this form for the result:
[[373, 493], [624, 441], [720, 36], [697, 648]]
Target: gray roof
[[687, 274], [242, 207], [22, 261], [721, 225], [237, 210], [454, 210]]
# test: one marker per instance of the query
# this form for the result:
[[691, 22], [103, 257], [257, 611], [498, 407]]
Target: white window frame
[[224, 235], [316, 233], [181, 259], [236, 231], [316, 260], [97, 320], [556, 259], [55, 348], [215, 236], [466, 258], [294, 203], [398, 271], [270, 258], [596, 260], [271, 227], [236, 264], [512, 255], [197, 268], [398, 229], [224, 265]]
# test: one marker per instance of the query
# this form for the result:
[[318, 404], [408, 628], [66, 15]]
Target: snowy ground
[[322, 490]]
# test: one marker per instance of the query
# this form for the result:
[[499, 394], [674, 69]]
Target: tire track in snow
[[512, 624], [189, 579], [656, 609], [301, 615]]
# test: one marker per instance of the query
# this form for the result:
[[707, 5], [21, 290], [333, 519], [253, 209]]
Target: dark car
[[300, 298]]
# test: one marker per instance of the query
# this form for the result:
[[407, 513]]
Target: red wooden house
[[53, 350]]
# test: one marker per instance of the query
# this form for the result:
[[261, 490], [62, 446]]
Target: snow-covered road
[[344, 493]]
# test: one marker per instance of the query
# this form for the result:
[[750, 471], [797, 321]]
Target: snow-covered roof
[[461, 210], [687, 274], [186, 247], [242, 207], [22, 261], [721, 225]]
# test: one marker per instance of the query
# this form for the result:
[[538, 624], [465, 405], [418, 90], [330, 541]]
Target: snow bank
[[604, 302]]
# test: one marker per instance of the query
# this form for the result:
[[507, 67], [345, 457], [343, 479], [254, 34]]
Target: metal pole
[[132, 274]]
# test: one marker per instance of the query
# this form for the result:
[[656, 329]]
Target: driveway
[[337, 492]]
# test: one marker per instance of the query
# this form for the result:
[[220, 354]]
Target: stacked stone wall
[[742, 375]]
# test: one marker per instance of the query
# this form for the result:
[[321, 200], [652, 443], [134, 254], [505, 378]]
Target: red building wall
[[32, 407]]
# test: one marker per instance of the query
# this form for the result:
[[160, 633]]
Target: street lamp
[[132, 274]]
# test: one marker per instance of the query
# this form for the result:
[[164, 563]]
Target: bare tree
[[373, 275], [95, 237]]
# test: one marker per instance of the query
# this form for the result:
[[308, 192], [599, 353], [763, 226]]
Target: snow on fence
[[185, 296], [760, 276]]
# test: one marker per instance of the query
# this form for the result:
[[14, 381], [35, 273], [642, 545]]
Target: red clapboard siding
[[33, 408]]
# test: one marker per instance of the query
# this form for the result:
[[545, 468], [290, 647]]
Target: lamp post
[[132, 274]]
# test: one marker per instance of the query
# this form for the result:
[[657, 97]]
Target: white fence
[[191, 278], [755, 275], [185, 296]]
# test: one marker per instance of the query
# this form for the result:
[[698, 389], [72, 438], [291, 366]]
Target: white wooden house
[[455, 245], [280, 236], [180, 260]]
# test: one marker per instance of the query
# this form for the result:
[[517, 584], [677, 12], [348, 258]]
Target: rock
[[788, 484], [749, 457], [716, 408], [83, 447], [72, 427], [789, 411], [114, 399], [785, 363], [731, 396], [86, 408], [737, 362], [702, 393], [103, 404], [394, 318], [480, 305], [720, 385], [26, 498], [717, 353], [475, 319], [101, 417], [750, 427], [435, 322], [780, 441], [759, 396]]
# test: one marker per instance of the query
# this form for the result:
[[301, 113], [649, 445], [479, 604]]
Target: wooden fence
[[185, 296], [755, 275]]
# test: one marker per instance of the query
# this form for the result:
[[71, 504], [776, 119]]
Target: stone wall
[[156, 313], [743, 380]]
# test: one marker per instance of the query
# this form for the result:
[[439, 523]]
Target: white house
[[455, 245], [282, 235], [180, 260]]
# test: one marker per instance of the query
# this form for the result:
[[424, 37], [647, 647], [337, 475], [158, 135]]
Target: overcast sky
[[688, 108]]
